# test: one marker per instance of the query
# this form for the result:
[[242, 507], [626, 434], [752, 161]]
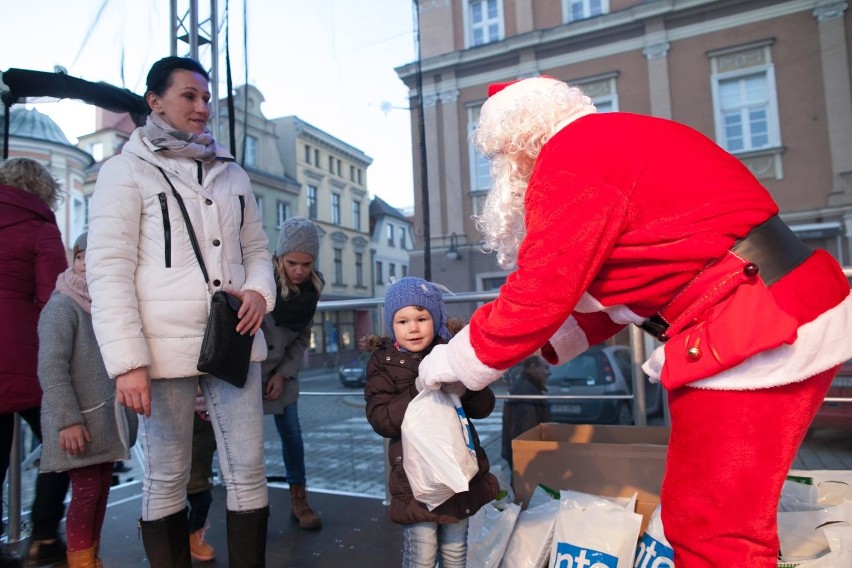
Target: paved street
[[343, 454]]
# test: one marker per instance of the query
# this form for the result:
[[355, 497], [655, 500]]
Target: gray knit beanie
[[412, 291], [298, 234], [80, 243]]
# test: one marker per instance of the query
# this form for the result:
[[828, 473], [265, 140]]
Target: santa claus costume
[[614, 219]]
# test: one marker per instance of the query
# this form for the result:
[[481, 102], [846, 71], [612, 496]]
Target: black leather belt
[[772, 249]]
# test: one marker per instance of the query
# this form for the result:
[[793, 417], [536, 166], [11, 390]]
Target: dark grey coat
[[286, 348], [77, 390]]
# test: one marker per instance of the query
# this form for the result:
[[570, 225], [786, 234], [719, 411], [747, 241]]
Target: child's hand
[[74, 439]]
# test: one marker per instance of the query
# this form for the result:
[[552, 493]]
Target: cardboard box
[[614, 461]]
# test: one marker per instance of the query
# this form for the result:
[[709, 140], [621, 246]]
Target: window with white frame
[[335, 208], [484, 21], [744, 98], [96, 149], [480, 166], [602, 90], [389, 229], [338, 266], [356, 215], [283, 212], [259, 200], [79, 214], [250, 158], [391, 271], [380, 277], [574, 10], [402, 240], [312, 201], [478, 202], [359, 269]]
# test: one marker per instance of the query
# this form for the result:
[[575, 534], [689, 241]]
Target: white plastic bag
[[594, 531], [801, 532], [654, 548], [488, 534], [529, 545], [437, 447], [840, 556]]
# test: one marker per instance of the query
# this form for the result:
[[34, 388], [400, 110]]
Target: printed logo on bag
[[651, 553], [468, 435], [570, 556]]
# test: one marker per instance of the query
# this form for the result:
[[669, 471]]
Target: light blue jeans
[[423, 541], [237, 418]]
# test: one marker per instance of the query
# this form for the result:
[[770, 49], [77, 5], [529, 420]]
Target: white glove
[[435, 368], [457, 388]]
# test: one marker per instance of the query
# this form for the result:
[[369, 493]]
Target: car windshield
[[584, 369], [358, 362]]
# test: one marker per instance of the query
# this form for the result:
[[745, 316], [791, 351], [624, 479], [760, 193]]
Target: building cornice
[[565, 42]]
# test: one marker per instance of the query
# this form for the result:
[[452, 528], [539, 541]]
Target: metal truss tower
[[196, 34]]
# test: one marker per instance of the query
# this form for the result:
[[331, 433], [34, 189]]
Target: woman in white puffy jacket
[[150, 306]]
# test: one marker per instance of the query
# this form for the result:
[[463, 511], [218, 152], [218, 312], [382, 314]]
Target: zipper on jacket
[[198, 163], [167, 228]]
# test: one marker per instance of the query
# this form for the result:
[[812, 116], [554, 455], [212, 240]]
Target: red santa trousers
[[728, 456]]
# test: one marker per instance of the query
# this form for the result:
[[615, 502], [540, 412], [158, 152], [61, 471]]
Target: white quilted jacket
[[149, 298]]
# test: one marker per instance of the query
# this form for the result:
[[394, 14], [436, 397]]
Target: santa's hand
[[420, 384], [435, 368], [456, 388]]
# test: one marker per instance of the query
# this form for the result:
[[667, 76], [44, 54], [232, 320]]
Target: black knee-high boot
[[247, 538], [166, 541]]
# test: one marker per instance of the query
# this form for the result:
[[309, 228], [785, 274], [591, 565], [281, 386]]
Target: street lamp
[[453, 252]]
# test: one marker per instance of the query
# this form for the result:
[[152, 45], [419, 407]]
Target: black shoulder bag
[[225, 353]]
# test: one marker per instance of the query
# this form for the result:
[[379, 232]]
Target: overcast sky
[[330, 62]]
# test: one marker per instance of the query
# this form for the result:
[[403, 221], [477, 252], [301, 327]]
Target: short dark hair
[[160, 76]]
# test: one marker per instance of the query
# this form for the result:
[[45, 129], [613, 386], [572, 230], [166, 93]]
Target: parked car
[[837, 414], [600, 370], [354, 373]]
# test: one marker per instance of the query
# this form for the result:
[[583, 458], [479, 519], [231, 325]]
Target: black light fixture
[[453, 252]]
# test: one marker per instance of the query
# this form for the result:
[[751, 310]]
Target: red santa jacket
[[622, 211], [31, 258]]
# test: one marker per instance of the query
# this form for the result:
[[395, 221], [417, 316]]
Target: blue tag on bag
[[651, 553], [465, 426], [572, 556]]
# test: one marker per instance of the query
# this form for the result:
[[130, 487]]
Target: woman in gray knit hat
[[84, 430], [288, 331]]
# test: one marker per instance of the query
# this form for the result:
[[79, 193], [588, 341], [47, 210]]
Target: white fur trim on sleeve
[[475, 374], [569, 340]]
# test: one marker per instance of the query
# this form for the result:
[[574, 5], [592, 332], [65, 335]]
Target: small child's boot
[[81, 558], [199, 548]]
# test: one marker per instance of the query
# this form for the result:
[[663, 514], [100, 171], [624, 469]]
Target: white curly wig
[[514, 123]]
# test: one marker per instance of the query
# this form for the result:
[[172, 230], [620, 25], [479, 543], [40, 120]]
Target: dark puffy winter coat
[[390, 387], [31, 257]]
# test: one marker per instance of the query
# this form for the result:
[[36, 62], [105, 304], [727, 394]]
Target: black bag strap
[[189, 227]]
